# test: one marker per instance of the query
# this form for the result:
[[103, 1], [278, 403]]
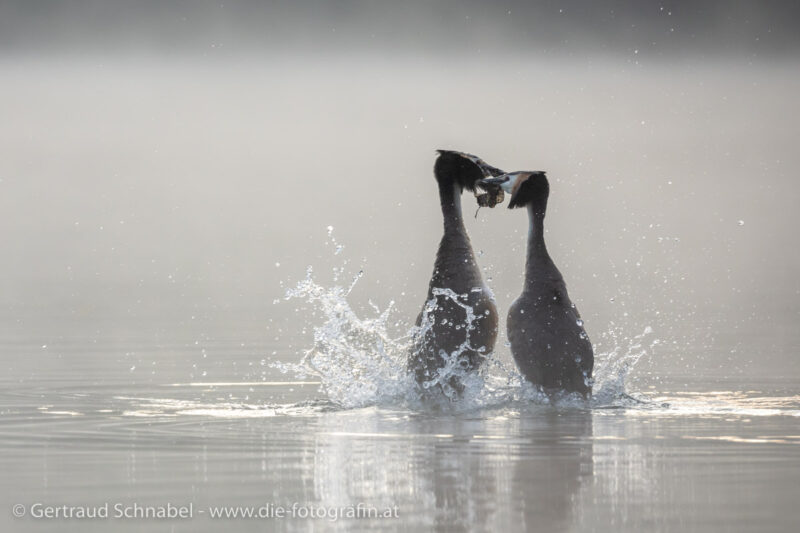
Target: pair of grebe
[[545, 330]]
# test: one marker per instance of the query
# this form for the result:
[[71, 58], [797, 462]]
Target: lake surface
[[97, 425], [696, 459], [155, 212]]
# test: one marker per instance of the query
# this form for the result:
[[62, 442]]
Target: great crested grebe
[[451, 341], [548, 341]]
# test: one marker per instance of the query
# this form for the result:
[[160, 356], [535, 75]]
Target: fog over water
[[169, 170], [148, 185]]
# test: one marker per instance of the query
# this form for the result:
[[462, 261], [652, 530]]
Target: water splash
[[455, 364], [613, 367], [359, 362]]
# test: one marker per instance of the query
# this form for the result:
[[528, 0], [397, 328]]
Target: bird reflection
[[550, 468], [511, 469]]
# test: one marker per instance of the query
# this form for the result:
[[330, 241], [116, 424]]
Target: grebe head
[[462, 169], [524, 186]]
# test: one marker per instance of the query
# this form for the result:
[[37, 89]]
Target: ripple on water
[[156, 419]]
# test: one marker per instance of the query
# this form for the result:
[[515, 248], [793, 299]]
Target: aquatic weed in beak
[[494, 195], [491, 197]]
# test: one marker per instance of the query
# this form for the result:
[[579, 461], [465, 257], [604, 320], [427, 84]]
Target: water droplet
[[579, 322], [741, 222]]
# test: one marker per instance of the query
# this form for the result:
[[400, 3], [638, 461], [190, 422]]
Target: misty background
[[168, 169]]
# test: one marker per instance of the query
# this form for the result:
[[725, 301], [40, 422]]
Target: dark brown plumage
[[455, 270], [548, 341]]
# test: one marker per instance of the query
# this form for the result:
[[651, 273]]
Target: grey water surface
[[701, 453]]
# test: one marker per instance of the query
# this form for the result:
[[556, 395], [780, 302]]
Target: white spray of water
[[360, 363], [613, 367], [356, 359]]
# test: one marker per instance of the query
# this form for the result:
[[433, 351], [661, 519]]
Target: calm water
[[151, 212], [693, 457]]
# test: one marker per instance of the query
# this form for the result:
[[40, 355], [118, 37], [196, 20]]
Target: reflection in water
[[461, 473], [548, 481]]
